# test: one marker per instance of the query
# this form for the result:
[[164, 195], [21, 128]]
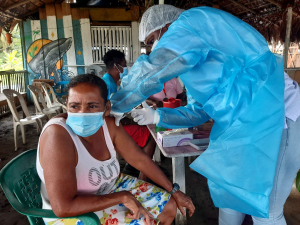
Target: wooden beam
[[13, 24], [275, 3], [242, 6], [103, 23], [252, 11], [66, 9], [84, 13], [42, 13], [16, 5], [50, 10], [75, 13], [280, 6], [9, 15], [30, 12], [58, 10], [287, 36], [135, 13], [110, 14]]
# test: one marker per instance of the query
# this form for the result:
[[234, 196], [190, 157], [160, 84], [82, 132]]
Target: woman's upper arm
[[58, 159], [123, 143]]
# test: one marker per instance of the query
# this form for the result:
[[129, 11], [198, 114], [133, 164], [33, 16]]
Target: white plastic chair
[[38, 98], [9, 94], [51, 102], [64, 107]]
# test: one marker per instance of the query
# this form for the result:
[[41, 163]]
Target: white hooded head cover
[[157, 17]]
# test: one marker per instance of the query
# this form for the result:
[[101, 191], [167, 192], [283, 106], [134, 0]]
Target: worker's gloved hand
[[118, 116], [145, 115]]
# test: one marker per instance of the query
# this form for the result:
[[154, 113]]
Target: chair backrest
[[63, 85], [9, 94], [21, 183], [47, 87], [37, 95]]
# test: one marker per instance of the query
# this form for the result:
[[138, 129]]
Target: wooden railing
[[15, 80]]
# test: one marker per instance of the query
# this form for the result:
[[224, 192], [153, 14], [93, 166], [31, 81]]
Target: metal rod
[[287, 36], [292, 69]]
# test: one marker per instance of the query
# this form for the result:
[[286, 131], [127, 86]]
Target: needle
[[125, 114]]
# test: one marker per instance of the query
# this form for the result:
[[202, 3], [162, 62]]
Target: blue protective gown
[[111, 85], [231, 77]]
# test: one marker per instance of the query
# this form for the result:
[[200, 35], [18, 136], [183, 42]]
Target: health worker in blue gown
[[232, 77]]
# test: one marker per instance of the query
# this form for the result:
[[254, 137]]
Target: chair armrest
[[87, 218]]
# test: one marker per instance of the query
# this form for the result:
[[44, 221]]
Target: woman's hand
[[136, 208], [183, 200]]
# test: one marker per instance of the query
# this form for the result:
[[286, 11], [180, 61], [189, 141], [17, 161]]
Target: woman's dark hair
[[90, 79], [113, 56]]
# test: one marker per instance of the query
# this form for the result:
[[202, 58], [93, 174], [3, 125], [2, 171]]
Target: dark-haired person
[[116, 69], [79, 171]]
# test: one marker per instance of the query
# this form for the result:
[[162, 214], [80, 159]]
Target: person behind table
[[172, 89], [116, 67], [232, 77], [77, 164]]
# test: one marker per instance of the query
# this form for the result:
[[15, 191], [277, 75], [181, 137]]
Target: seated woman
[[79, 171]]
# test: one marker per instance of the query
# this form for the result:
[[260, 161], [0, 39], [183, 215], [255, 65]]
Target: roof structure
[[267, 16], [13, 11]]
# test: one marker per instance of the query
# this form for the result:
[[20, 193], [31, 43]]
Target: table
[[178, 168]]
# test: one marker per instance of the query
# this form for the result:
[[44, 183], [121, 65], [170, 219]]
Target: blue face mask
[[85, 124], [125, 71]]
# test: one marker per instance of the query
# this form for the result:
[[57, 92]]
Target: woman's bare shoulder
[[113, 129], [56, 132], [110, 122], [56, 141]]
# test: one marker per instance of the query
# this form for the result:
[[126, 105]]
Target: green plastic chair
[[21, 185]]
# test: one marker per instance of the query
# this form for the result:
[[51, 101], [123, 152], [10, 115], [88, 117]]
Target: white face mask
[[125, 71], [154, 44], [156, 41]]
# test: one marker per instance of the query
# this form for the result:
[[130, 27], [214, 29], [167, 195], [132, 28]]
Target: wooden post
[[287, 36], [136, 44], [25, 65], [161, 2]]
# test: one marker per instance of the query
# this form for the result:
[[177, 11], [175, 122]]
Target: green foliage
[[11, 61], [298, 181], [11, 56]]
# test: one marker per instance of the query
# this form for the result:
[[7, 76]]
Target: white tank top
[[93, 176]]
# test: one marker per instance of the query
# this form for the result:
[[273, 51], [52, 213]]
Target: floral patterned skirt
[[151, 197]]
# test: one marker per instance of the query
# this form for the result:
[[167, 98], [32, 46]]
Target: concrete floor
[[196, 184]]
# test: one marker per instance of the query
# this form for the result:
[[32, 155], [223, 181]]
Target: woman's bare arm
[[135, 156]]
